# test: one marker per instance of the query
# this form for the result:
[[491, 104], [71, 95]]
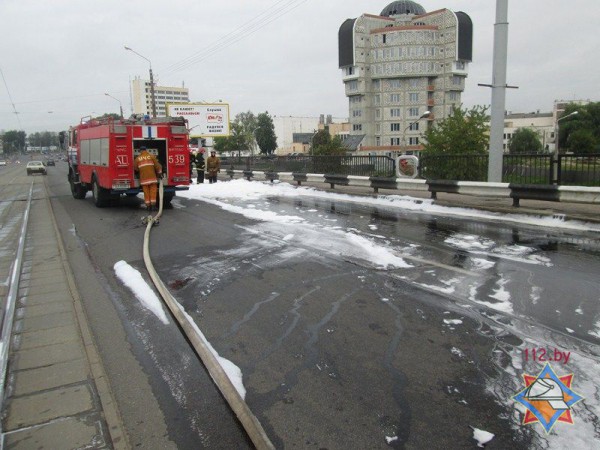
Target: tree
[[265, 134], [236, 141], [525, 140], [465, 132], [587, 118], [248, 125], [43, 139], [582, 141], [13, 141]]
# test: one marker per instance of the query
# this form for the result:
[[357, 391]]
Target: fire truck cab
[[101, 153]]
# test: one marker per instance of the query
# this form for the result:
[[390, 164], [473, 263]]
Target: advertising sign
[[204, 119]]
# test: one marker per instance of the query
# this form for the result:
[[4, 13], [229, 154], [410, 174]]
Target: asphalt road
[[335, 353]]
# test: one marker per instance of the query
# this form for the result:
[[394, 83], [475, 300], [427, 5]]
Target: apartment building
[[402, 69]]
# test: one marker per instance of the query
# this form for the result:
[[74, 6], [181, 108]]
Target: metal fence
[[579, 170], [369, 166], [575, 170]]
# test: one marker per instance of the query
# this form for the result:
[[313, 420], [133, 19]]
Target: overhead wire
[[238, 34], [185, 60], [11, 100]]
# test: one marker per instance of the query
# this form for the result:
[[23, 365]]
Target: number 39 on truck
[[101, 153]]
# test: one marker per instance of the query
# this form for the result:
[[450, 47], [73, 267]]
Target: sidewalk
[[57, 396]]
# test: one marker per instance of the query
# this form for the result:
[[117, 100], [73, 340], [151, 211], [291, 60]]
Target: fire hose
[[253, 428]]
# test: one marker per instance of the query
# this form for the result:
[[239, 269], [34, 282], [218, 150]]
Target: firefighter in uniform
[[200, 166], [149, 170], [213, 166]]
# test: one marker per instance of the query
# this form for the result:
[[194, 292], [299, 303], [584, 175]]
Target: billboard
[[204, 119]]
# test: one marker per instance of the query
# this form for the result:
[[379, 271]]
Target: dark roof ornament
[[409, 7]]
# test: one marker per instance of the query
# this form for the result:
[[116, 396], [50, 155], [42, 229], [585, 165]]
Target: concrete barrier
[[574, 194]]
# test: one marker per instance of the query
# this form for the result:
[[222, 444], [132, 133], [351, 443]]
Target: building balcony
[[430, 102], [460, 68], [430, 88]]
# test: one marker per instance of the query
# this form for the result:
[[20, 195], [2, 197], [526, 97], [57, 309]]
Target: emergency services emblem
[[548, 398]]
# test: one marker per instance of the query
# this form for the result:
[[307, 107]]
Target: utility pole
[[498, 92]]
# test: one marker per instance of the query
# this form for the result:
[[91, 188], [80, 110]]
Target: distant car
[[36, 167], [50, 162], [2, 162]]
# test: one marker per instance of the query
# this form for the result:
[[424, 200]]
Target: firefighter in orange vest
[[149, 170]]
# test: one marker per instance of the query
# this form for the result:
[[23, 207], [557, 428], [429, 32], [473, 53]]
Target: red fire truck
[[101, 153]]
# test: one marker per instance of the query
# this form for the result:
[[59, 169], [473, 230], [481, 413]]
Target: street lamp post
[[403, 146], [120, 105], [152, 98], [556, 139]]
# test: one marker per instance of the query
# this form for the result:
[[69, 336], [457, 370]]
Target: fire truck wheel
[[77, 189], [101, 195]]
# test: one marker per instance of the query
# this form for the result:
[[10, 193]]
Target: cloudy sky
[[59, 58]]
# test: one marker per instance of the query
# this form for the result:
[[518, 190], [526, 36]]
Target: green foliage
[[587, 118], [322, 137], [525, 140], [265, 134], [43, 139], [582, 141], [236, 140], [465, 132], [324, 144], [13, 141]]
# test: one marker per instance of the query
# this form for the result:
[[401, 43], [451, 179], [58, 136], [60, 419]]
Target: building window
[[378, 127], [357, 127], [413, 97], [414, 126], [456, 81], [377, 99], [357, 113], [350, 70], [414, 82], [394, 127], [376, 85], [395, 141], [454, 96], [378, 113], [413, 112], [352, 85], [394, 83], [394, 98], [377, 141], [395, 112], [413, 141]]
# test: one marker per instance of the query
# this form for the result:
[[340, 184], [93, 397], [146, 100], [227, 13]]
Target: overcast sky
[[59, 58]]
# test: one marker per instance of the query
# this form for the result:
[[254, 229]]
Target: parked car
[[36, 167], [2, 162], [50, 162]]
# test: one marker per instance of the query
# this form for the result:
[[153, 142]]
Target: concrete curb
[[109, 406], [516, 192]]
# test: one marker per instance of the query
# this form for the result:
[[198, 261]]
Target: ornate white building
[[398, 66]]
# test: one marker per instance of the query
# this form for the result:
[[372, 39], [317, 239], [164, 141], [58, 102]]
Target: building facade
[[286, 127], [540, 123], [402, 70], [142, 98]]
